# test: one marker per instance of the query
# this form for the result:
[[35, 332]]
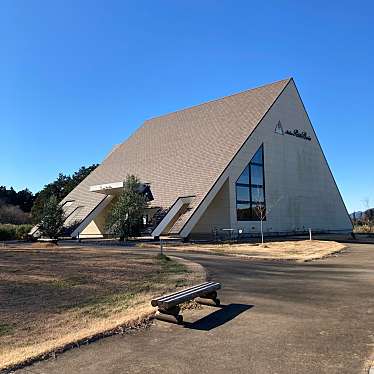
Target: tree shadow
[[225, 314]]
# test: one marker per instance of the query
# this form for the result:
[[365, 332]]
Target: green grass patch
[[6, 329], [67, 283], [170, 266], [101, 307], [163, 258], [181, 283], [174, 267]]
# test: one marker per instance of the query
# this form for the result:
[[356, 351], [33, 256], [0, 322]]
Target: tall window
[[250, 189]]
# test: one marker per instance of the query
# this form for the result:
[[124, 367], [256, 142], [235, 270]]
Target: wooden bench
[[168, 305]]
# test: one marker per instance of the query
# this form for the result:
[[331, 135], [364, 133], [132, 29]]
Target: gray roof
[[181, 153]]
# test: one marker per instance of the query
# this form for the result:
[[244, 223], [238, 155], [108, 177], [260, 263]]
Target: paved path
[[278, 319]]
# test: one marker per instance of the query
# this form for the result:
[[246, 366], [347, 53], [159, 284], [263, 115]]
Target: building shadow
[[225, 314]]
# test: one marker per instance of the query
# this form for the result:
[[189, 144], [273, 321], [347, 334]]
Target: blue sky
[[78, 77]]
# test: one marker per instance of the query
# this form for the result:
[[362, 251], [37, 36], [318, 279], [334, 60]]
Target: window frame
[[252, 203]]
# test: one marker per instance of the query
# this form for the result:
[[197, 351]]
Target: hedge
[[14, 232]]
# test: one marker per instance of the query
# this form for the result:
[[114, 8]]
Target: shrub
[[53, 219], [7, 232], [14, 232], [126, 215], [22, 231]]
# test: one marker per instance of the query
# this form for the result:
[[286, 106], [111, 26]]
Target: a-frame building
[[221, 165]]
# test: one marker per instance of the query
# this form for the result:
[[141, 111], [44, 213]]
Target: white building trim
[[171, 214], [92, 215]]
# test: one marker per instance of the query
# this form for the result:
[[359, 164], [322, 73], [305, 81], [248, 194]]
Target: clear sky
[[77, 77]]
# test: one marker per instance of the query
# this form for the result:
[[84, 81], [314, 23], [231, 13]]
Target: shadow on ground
[[225, 314]]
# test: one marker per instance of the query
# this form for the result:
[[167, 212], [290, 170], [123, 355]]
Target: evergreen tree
[[22, 199], [52, 222], [126, 216], [59, 188]]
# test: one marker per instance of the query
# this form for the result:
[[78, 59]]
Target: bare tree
[[262, 210], [13, 214], [367, 212], [354, 219]]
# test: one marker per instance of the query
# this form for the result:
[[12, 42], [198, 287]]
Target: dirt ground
[[275, 317], [53, 296], [301, 250]]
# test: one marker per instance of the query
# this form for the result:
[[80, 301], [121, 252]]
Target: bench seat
[[168, 305]]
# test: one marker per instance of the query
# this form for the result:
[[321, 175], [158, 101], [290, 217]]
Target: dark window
[[243, 211], [258, 211], [242, 193], [258, 194], [258, 158], [244, 177], [257, 175], [250, 190]]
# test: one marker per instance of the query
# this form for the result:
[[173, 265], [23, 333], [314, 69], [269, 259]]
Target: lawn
[[298, 250], [55, 296]]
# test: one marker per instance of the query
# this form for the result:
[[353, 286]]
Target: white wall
[[217, 215], [299, 188]]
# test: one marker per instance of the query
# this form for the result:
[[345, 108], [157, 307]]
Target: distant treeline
[[24, 199], [363, 217], [25, 207], [363, 221]]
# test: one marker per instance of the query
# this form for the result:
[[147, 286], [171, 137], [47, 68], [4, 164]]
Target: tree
[[59, 188], [368, 214], [126, 216], [52, 222], [261, 211], [22, 199], [13, 214]]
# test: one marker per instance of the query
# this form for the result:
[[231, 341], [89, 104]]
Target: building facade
[[228, 165]]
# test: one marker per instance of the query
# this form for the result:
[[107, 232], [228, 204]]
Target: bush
[[22, 231], [14, 232], [126, 216], [53, 219], [7, 232]]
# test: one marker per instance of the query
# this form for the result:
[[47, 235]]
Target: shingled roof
[[181, 153]]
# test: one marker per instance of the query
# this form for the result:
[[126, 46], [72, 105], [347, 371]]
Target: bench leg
[[169, 315], [209, 299]]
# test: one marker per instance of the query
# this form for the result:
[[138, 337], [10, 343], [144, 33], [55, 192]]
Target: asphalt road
[[277, 318]]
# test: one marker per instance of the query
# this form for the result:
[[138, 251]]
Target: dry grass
[[43, 245], [55, 296], [363, 229], [302, 250]]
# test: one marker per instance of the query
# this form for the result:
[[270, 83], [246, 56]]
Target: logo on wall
[[299, 134], [279, 128]]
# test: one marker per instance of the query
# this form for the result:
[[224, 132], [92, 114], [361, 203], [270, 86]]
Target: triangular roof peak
[[276, 83]]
